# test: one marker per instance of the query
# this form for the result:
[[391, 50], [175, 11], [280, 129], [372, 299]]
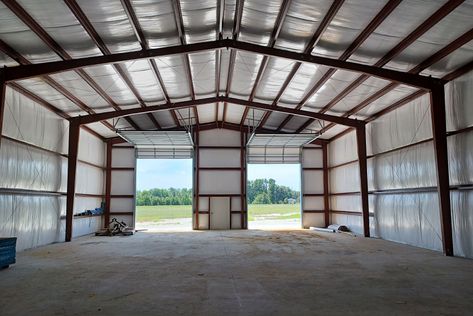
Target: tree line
[[266, 191], [260, 191], [169, 196]]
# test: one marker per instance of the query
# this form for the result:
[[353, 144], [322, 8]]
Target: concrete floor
[[235, 273]]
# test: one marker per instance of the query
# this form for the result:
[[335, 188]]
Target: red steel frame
[[434, 86]]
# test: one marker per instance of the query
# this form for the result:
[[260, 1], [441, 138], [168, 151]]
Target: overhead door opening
[[273, 193], [164, 194], [164, 191], [274, 180]]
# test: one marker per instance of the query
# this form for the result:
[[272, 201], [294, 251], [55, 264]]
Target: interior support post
[[74, 133], [325, 177], [3, 87], [197, 176], [439, 131], [362, 159], [243, 214], [108, 183]]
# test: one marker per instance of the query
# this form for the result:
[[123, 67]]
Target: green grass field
[[255, 211]]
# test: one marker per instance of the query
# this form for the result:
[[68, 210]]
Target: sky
[[177, 173]]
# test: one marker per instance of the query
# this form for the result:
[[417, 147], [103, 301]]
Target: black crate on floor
[[7, 251]]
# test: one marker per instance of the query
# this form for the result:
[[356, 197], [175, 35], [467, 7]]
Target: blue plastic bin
[[7, 251]]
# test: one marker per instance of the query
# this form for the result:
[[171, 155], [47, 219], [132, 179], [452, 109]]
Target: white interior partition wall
[[33, 168], [122, 183], [220, 177], [312, 187]]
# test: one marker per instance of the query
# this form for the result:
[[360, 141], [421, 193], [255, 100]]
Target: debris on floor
[[334, 228], [116, 228]]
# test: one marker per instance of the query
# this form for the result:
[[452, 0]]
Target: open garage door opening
[[273, 192], [274, 180], [164, 179], [164, 194]]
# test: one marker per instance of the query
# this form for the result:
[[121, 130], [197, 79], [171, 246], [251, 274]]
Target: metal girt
[[184, 104]]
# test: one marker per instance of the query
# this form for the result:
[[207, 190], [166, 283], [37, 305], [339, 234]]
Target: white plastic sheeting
[[34, 172]]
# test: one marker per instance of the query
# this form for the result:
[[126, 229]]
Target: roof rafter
[[144, 45], [450, 76], [180, 29], [89, 28], [264, 63], [28, 20], [431, 21], [369, 29], [231, 64], [28, 71], [218, 53], [329, 16], [185, 104]]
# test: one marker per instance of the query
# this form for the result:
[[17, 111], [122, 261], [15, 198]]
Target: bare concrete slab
[[235, 273]]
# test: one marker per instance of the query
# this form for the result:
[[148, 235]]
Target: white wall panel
[[343, 149], [219, 158], [312, 158], [219, 137], [313, 181], [313, 220], [409, 218], [219, 182], [345, 178], [123, 182], [123, 158]]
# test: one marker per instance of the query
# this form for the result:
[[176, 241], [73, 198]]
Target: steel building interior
[[374, 98]]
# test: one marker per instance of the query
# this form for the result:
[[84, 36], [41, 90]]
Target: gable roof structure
[[280, 65]]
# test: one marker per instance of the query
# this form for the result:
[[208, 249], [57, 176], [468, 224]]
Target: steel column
[[439, 131], [3, 86], [325, 179], [197, 176], [108, 183], [362, 161], [74, 133]]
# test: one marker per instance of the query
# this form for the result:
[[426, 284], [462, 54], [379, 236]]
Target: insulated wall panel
[[312, 187], [123, 183], [219, 180]]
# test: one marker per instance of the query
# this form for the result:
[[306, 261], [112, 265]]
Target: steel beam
[[108, 183], [87, 119], [3, 90], [74, 134], [326, 186], [197, 179], [34, 70], [362, 161], [439, 131]]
